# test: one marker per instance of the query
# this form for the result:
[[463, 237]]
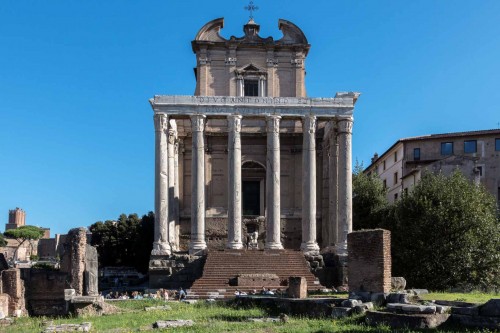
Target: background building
[[476, 154]]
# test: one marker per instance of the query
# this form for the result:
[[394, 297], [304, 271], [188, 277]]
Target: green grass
[[207, 317], [472, 297]]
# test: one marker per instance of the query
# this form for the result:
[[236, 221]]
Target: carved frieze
[[204, 61], [298, 63], [272, 62]]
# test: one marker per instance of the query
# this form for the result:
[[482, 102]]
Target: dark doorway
[[251, 197]]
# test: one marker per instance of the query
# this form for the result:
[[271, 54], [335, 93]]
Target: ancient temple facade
[[250, 151]]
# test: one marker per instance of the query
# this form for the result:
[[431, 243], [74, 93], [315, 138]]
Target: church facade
[[251, 152]]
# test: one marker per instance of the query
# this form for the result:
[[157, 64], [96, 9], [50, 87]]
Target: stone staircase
[[222, 267]]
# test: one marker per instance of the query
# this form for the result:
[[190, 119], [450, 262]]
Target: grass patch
[[208, 318], [472, 297]]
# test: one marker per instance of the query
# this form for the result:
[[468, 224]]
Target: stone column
[[161, 245], [172, 133], [309, 243], [333, 186], [197, 245], [273, 232], [344, 182], [176, 191], [234, 183], [240, 89]]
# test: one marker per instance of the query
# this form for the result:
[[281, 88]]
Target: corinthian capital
[[273, 123], [344, 125], [234, 123], [161, 122], [198, 123], [309, 124]]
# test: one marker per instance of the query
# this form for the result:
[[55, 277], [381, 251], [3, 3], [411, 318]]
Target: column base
[[309, 247], [274, 246], [161, 249], [197, 248], [341, 249], [234, 245]]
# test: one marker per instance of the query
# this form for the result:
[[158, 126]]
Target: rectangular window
[[446, 148], [395, 156], [395, 196], [470, 146], [416, 154], [395, 177], [384, 165], [251, 87], [385, 183], [497, 144]]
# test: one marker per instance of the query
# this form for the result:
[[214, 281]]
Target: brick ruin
[[369, 261], [43, 291]]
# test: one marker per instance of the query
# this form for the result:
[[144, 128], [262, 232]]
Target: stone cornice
[[254, 106]]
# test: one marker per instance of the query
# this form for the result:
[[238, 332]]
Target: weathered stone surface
[[73, 258], [398, 283], [350, 303], [90, 277], [84, 327], [419, 291], [467, 311], [69, 294], [13, 285], [490, 308], [297, 287], [158, 308], [341, 312], [257, 280], [173, 323], [4, 305], [264, 320], [476, 321], [413, 321], [398, 298]]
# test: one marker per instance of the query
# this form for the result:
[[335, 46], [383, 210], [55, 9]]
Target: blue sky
[[77, 138]]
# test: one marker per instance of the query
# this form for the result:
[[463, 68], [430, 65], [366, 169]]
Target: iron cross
[[251, 8]]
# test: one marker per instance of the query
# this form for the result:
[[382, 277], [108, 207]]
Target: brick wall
[[369, 260]]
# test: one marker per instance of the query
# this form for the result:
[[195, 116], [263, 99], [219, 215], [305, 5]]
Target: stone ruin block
[[80, 262], [14, 287], [297, 287], [369, 261], [4, 305]]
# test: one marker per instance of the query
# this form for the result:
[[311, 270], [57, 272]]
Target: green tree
[[24, 233], [125, 242], [446, 234], [368, 199], [2, 241]]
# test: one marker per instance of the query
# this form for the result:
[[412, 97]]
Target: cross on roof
[[251, 8]]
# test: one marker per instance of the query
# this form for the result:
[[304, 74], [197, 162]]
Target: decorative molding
[[272, 62], [230, 61], [298, 63], [204, 61]]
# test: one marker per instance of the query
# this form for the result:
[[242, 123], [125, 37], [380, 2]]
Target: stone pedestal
[[175, 271], [297, 287]]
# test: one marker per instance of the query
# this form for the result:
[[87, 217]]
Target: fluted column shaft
[[333, 187], [197, 244], [161, 244], [309, 243], [273, 233], [345, 181], [172, 133], [234, 183]]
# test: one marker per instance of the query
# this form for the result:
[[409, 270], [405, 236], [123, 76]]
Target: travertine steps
[[221, 266]]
